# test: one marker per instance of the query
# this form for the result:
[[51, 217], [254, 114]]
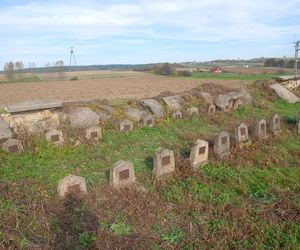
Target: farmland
[[115, 84], [97, 85]]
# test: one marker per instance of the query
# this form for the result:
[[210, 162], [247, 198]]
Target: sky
[[146, 31]]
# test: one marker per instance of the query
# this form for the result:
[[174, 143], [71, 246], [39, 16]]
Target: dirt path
[[109, 88]]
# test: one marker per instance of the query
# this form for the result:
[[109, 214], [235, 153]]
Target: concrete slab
[[154, 106], [173, 102], [284, 93], [33, 105]]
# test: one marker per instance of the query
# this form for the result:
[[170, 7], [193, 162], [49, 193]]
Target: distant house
[[216, 70]]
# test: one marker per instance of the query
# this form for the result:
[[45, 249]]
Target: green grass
[[233, 76], [51, 164], [120, 227], [266, 109], [25, 79], [237, 203]]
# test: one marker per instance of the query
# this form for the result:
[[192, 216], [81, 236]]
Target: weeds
[[120, 227], [251, 201], [86, 239], [173, 236]]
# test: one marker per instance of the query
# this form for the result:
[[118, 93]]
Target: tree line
[[273, 62], [16, 70]]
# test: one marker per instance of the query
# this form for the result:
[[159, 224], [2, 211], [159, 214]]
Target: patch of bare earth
[[134, 87]]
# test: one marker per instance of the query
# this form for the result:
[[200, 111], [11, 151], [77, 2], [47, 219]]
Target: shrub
[[75, 78], [165, 69], [184, 73]]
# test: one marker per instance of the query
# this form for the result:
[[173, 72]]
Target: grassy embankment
[[251, 200]]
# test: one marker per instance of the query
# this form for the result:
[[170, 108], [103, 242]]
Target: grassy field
[[230, 73], [23, 80], [67, 76], [234, 76], [249, 201]]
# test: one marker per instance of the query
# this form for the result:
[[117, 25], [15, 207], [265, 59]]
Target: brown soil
[[135, 87]]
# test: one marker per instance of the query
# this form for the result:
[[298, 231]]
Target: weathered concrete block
[[207, 97], [103, 117], [154, 106], [177, 115], [163, 162], [222, 144], [5, 132], [71, 185], [235, 95], [34, 122], [211, 109], [134, 114], [275, 124], [224, 102], [32, 105], [241, 133], [148, 121], [285, 93], [122, 174], [81, 118], [55, 136], [261, 129], [126, 126], [238, 103], [13, 146], [173, 102], [199, 154], [107, 108], [93, 133], [193, 111]]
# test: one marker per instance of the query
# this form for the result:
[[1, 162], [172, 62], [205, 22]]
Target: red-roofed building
[[216, 70]]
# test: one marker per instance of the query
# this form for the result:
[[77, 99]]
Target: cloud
[[31, 26]]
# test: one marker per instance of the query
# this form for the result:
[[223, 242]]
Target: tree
[[19, 67], [290, 63], [270, 63], [9, 71], [280, 63], [165, 69], [60, 69]]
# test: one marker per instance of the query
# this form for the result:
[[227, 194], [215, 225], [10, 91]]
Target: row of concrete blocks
[[94, 133], [122, 173]]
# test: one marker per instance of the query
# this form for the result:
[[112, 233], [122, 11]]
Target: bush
[[75, 78], [280, 71], [165, 69], [184, 73]]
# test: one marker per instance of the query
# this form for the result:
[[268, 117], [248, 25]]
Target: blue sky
[[146, 31]]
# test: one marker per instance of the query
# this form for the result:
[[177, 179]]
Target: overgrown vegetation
[[249, 201], [283, 63], [168, 69]]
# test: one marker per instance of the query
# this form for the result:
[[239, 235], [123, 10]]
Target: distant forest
[[255, 62], [282, 63]]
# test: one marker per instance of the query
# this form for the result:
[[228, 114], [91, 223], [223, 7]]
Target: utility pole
[[297, 47], [72, 55]]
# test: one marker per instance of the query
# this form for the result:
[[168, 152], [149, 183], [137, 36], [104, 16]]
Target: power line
[[72, 55], [297, 47]]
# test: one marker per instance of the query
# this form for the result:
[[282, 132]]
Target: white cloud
[[31, 27], [200, 20]]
